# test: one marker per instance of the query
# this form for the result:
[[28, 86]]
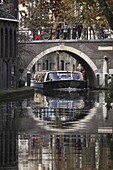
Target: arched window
[[46, 64], [62, 64], [10, 42], [2, 43], [6, 42], [15, 44], [50, 66], [43, 66], [33, 68], [73, 67], [5, 75]]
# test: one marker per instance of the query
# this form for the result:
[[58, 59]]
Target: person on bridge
[[79, 28], [79, 68], [65, 30], [74, 31], [58, 29]]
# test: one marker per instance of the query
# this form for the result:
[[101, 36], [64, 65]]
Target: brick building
[[8, 44]]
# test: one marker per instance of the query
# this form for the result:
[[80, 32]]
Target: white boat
[[54, 80]]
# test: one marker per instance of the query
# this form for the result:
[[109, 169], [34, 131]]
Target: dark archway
[[82, 58]]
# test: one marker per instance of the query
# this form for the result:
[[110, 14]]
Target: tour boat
[[59, 80]]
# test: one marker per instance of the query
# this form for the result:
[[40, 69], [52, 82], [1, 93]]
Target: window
[[1, 1]]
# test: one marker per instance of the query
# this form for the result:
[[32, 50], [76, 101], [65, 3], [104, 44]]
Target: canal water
[[62, 131]]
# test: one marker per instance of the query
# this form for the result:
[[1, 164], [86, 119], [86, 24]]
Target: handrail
[[72, 34]]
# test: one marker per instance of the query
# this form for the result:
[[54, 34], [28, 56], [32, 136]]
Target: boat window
[[40, 77], [75, 76], [64, 77], [52, 76]]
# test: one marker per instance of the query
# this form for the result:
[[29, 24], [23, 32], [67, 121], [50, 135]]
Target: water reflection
[[69, 152], [10, 113], [8, 136], [64, 112], [56, 132]]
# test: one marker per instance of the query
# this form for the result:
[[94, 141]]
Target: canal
[[62, 131]]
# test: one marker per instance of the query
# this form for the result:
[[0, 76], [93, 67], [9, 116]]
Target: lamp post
[[15, 6]]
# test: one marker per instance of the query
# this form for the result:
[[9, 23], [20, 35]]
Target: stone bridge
[[96, 56]]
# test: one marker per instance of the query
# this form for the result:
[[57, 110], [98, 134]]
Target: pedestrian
[[92, 32], [65, 30], [85, 32], [74, 32], [79, 68], [58, 29], [79, 29]]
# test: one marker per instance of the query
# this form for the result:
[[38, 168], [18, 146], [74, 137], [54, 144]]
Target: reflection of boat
[[64, 112], [59, 80], [65, 103], [61, 99], [67, 94]]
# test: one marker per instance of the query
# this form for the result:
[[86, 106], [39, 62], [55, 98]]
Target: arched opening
[[33, 68], [43, 66], [15, 41], [5, 75], [74, 68], [46, 65], [2, 42], [6, 43], [62, 64], [50, 66], [10, 39]]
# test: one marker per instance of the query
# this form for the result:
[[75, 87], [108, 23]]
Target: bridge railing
[[72, 34]]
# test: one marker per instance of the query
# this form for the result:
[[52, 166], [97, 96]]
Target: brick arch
[[63, 48], [86, 61]]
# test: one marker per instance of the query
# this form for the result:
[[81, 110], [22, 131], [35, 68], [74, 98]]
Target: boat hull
[[38, 85], [54, 80], [65, 84]]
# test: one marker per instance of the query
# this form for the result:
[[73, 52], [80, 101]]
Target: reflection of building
[[69, 152], [40, 99], [8, 138]]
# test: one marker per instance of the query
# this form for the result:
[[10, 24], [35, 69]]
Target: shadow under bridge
[[89, 67], [86, 62]]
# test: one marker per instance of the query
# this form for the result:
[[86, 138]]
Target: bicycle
[[42, 36]]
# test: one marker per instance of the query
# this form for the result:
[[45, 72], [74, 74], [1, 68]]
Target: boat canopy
[[64, 76], [39, 76]]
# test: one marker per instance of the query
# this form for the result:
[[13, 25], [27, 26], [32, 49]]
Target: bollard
[[98, 80], [106, 80], [28, 78]]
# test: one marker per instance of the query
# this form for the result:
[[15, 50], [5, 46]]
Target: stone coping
[[16, 93]]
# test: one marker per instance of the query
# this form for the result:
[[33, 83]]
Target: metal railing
[[72, 34]]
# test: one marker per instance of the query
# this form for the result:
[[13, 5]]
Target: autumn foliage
[[46, 12]]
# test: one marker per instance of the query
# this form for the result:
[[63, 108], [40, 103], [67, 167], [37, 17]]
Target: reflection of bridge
[[94, 55], [92, 116], [65, 114]]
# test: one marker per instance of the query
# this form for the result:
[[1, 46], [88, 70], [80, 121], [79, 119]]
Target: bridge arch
[[86, 62]]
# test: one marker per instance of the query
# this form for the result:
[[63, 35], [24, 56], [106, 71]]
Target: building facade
[[56, 61], [8, 45]]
